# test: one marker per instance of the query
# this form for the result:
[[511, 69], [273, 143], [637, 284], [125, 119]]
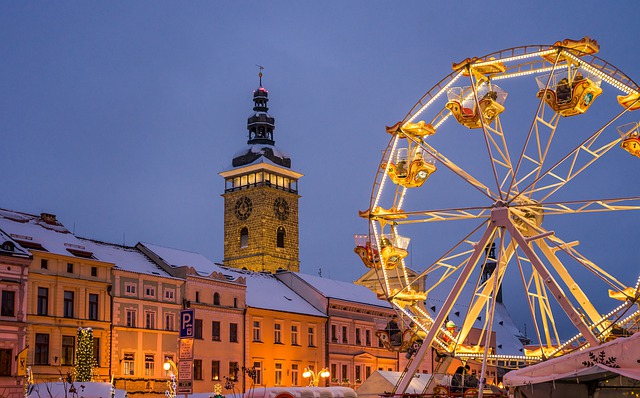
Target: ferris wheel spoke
[[590, 206], [569, 249], [459, 171], [575, 162]]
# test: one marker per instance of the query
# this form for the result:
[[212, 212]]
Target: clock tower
[[261, 199]]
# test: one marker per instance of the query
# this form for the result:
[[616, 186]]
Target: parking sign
[[186, 324]]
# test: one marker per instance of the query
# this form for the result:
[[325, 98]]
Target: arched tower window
[[280, 237], [216, 298], [244, 237]]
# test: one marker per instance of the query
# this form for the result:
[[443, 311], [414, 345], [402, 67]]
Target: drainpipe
[[327, 341], [244, 348], [110, 293]]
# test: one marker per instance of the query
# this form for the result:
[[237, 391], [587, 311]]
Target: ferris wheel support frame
[[500, 218]]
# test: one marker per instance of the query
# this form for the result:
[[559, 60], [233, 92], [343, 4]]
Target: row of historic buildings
[[278, 325]]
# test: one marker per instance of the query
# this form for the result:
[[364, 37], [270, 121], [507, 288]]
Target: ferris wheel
[[503, 148]]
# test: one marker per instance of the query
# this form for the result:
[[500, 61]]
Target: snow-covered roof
[[259, 148], [346, 291], [265, 291], [124, 257], [178, 258], [42, 233]]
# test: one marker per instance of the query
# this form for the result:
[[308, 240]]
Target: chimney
[[49, 218]]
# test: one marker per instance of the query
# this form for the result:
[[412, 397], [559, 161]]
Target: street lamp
[[170, 367], [314, 378]]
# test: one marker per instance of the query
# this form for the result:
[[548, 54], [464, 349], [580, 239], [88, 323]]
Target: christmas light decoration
[[84, 355]]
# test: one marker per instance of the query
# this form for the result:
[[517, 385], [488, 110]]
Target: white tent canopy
[[619, 356]]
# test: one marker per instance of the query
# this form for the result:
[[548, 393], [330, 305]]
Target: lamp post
[[314, 378], [170, 367]]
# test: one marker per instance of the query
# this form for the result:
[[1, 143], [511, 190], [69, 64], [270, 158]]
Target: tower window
[[280, 237], [244, 237], [216, 298]]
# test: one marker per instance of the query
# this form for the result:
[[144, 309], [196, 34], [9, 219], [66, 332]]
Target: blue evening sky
[[118, 116]]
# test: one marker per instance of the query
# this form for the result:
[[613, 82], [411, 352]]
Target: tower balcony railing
[[260, 184]]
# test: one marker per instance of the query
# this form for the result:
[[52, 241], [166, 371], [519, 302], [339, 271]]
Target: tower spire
[[260, 73]]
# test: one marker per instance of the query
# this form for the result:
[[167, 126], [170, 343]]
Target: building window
[[44, 263], [131, 319], [257, 376], [367, 337], [358, 339], [294, 374], [235, 302], [96, 350], [215, 330], [68, 304], [215, 370], [216, 298], [244, 238], [280, 237], [70, 268], [345, 374], [68, 348], [129, 363], [8, 303], [6, 359], [367, 371], [41, 356], [197, 329], [256, 331], [149, 291], [334, 336], [197, 297], [197, 369], [130, 289], [277, 333], [294, 334], [169, 321], [43, 301], [94, 271], [345, 335], [278, 374], [149, 319], [233, 332], [169, 295], [233, 370], [93, 306], [149, 365], [358, 374], [334, 371], [312, 336]]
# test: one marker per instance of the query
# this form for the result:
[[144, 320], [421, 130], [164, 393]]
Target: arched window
[[280, 237], [244, 237], [216, 298]]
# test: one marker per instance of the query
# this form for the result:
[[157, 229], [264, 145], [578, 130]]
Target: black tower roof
[[261, 125]]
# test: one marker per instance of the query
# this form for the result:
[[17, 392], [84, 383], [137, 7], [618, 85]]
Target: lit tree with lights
[[84, 355]]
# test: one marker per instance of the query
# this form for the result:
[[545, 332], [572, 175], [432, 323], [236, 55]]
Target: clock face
[[281, 208], [243, 208]]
